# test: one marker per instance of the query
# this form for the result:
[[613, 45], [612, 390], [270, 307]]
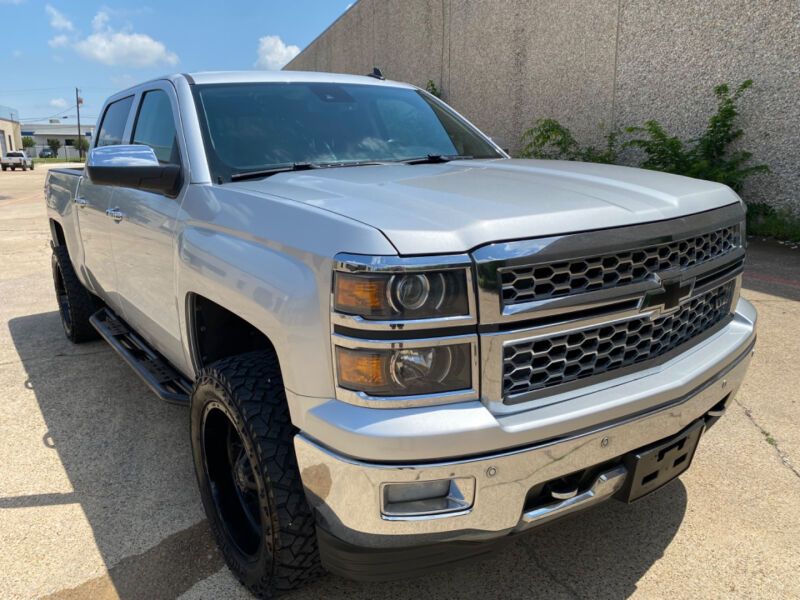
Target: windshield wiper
[[298, 166], [433, 159], [302, 166]]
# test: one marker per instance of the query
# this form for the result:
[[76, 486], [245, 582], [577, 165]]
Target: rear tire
[[242, 442], [75, 303]]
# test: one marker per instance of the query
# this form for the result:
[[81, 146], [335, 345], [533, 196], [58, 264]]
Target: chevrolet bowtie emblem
[[672, 293]]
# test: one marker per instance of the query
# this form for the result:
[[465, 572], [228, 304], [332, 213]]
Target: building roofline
[[322, 33]]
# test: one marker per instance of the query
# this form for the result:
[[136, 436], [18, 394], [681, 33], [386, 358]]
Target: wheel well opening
[[57, 232], [218, 333]]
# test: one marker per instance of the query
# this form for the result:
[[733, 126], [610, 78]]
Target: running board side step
[[165, 381]]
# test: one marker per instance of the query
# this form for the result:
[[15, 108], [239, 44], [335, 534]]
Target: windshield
[[254, 126], [15, 155]]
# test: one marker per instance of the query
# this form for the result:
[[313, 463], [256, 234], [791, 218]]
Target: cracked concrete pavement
[[98, 497]]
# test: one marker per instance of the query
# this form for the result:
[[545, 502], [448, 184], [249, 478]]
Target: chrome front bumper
[[347, 494]]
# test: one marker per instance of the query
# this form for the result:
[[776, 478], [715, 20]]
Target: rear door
[[144, 240], [91, 203]]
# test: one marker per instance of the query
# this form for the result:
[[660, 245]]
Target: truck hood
[[457, 206]]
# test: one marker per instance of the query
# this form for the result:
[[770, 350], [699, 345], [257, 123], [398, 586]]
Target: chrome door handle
[[81, 202], [115, 214]]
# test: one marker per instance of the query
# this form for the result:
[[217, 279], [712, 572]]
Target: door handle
[[81, 202], [115, 214]]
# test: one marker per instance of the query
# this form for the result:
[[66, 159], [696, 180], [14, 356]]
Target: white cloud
[[58, 20], [107, 45], [117, 48], [58, 41], [273, 53], [59, 103]]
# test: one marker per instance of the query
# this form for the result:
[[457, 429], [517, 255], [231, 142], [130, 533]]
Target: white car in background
[[16, 159]]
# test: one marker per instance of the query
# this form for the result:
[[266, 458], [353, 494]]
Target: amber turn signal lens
[[359, 294], [358, 369]]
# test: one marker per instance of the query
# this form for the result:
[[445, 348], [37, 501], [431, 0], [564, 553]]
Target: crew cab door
[[92, 203], [144, 235]]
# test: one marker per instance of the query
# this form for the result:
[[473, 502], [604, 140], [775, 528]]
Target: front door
[[144, 238], [91, 204]]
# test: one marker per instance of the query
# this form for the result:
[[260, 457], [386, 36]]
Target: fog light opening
[[419, 499]]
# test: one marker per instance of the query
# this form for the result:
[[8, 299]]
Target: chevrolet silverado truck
[[16, 159], [399, 346]]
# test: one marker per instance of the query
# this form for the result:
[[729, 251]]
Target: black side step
[[156, 372]]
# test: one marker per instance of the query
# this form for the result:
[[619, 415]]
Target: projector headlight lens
[[405, 372], [402, 296]]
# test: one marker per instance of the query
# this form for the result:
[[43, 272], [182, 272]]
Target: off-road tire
[[248, 388], [75, 303], [31, 166]]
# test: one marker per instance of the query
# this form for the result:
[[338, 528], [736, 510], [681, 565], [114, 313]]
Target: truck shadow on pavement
[[128, 460]]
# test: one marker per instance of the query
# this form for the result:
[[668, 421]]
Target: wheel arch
[[215, 332], [57, 233]]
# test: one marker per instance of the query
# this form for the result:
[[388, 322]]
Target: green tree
[[82, 145], [28, 142], [54, 145]]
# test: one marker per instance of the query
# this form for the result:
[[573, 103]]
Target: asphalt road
[[98, 497]]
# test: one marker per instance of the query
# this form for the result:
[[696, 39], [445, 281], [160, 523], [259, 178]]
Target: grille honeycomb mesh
[[547, 362], [540, 282]]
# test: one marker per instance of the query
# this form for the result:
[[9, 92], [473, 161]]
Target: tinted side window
[[155, 127], [114, 120]]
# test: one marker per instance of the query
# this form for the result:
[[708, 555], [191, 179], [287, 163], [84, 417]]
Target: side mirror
[[134, 166]]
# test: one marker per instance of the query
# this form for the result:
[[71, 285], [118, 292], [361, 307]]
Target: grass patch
[[765, 221], [39, 161]]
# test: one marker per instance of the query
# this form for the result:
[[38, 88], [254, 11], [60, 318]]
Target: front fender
[[269, 261]]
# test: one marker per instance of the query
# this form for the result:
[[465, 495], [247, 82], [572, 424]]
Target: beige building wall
[[592, 64], [12, 139]]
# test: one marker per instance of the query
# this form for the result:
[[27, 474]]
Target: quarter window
[[155, 127], [114, 120]]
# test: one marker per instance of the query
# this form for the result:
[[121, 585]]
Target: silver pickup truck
[[399, 347], [15, 159]]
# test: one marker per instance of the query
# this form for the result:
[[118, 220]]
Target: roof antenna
[[376, 73]]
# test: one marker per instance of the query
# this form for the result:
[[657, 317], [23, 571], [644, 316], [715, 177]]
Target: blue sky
[[49, 48]]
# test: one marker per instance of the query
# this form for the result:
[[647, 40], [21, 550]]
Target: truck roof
[[285, 76], [209, 77]]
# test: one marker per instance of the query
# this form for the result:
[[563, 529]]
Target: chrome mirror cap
[[134, 155]]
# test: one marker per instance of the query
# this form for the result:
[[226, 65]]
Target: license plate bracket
[[656, 465]]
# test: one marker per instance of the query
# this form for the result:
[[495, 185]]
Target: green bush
[[706, 157], [763, 220], [431, 88], [550, 139]]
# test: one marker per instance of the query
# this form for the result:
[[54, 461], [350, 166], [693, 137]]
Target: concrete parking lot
[[98, 497]]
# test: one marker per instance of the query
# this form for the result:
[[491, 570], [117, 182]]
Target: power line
[[58, 114]]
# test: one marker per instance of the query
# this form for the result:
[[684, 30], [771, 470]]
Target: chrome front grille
[[550, 361], [560, 313], [536, 282]]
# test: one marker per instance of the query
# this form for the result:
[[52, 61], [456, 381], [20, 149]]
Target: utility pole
[[78, 102]]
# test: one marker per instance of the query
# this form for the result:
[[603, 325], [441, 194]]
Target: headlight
[[405, 372], [413, 295]]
